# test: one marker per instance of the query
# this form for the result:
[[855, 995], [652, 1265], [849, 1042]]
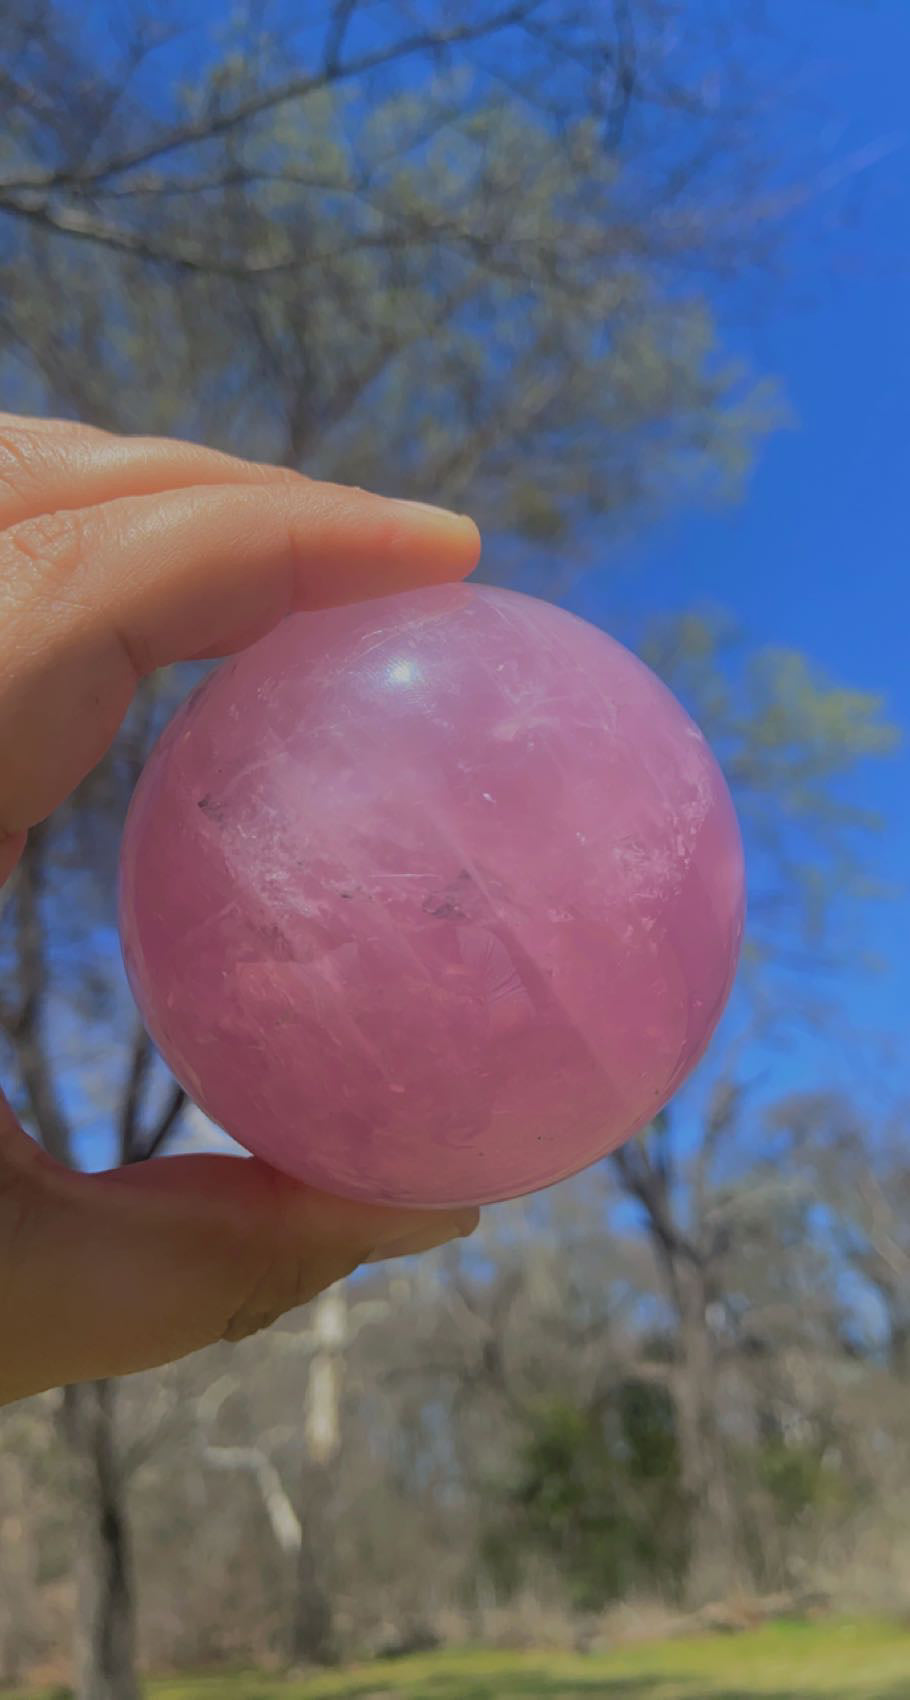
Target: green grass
[[831, 1661]]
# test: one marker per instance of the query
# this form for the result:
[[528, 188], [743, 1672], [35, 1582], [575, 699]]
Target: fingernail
[[441, 516], [427, 1239]]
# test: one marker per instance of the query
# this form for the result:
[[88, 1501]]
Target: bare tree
[[39, 1001], [786, 734]]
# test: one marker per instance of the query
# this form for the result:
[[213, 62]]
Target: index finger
[[91, 599]]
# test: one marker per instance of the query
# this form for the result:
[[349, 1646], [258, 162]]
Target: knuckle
[[286, 1283], [51, 542], [287, 478], [269, 1298], [282, 1265], [19, 454]]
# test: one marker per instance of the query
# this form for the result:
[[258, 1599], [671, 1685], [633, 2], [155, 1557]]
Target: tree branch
[[167, 1121], [130, 1105], [296, 88], [283, 1519], [342, 13], [723, 1108], [51, 1122]]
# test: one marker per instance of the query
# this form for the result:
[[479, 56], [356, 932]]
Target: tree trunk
[[313, 1638], [713, 1555], [105, 1640]]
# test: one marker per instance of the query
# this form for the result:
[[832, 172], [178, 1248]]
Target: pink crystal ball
[[433, 900]]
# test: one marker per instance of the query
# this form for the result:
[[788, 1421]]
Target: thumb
[[106, 1274]]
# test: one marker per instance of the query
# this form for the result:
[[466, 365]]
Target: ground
[[822, 1661]]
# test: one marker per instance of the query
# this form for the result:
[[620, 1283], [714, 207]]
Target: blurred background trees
[[476, 254]]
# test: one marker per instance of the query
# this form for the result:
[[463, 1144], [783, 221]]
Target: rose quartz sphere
[[433, 900]]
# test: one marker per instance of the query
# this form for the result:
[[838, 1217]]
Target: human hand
[[119, 556]]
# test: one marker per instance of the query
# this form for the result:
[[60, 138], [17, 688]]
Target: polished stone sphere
[[432, 900]]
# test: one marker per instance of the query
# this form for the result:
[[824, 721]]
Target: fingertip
[[443, 525], [441, 545], [442, 1231], [353, 546], [374, 1231]]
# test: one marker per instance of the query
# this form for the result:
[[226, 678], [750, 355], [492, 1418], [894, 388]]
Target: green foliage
[[599, 1492], [801, 1479], [792, 741]]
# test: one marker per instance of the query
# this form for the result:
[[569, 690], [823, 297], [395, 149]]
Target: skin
[[118, 556]]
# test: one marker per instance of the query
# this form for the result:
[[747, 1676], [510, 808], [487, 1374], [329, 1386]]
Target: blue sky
[[817, 555]]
